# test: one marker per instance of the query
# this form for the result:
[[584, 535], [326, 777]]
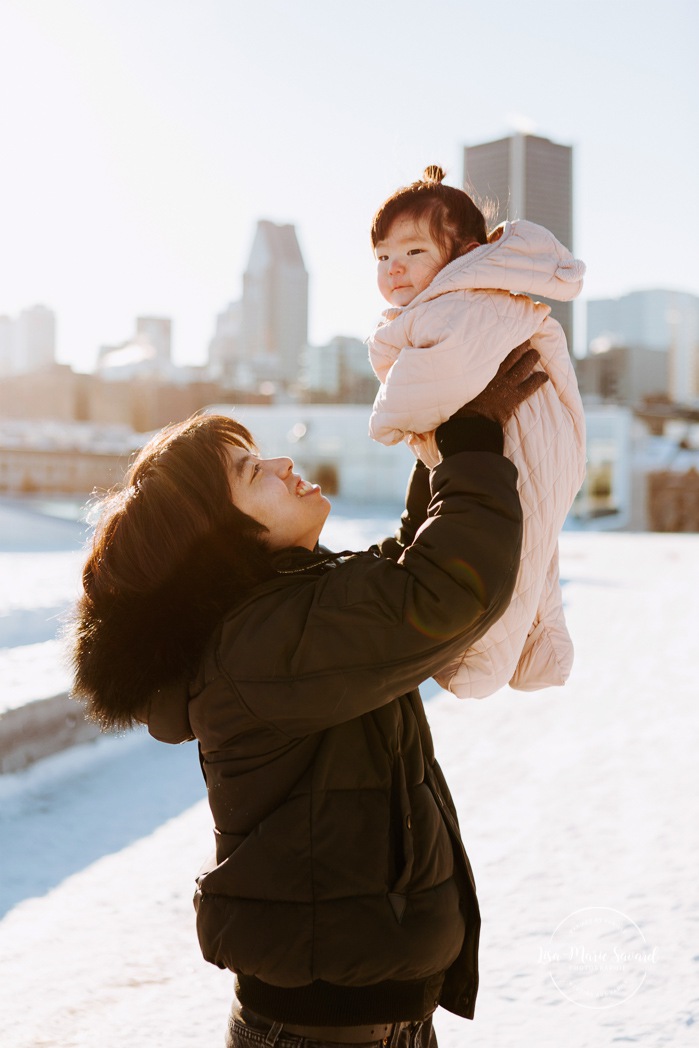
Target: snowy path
[[574, 799]]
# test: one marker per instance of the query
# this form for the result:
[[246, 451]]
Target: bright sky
[[141, 140]]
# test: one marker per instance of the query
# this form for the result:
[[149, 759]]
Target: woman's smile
[[261, 489]]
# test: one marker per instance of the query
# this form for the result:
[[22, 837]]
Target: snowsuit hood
[[522, 257]]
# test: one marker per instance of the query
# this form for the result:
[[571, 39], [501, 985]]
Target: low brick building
[[59, 471], [673, 500]]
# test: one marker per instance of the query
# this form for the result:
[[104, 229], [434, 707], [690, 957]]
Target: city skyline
[[138, 171]]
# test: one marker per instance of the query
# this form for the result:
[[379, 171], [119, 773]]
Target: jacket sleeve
[[457, 343], [417, 500], [371, 629], [454, 435]]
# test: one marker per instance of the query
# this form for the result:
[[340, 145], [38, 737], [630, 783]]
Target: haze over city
[[142, 142]]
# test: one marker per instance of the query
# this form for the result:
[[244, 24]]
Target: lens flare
[[469, 579]]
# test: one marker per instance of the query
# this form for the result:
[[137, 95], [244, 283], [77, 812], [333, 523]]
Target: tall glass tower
[[525, 176]]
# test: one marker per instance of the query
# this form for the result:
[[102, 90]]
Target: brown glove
[[514, 382]]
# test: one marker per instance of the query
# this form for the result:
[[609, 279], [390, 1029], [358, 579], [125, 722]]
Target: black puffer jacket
[[340, 892]]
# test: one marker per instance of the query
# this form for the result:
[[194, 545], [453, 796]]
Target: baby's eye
[[416, 251], [382, 258]]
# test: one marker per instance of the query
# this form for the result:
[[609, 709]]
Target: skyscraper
[[525, 176], [158, 331], [6, 338], [35, 339], [225, 346], [659, 321], [275, 304]]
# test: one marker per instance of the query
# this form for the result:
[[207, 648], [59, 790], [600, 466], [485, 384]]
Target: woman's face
[[292, 509]]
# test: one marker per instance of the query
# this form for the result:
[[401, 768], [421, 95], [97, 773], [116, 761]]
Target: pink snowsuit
[[437, 353]]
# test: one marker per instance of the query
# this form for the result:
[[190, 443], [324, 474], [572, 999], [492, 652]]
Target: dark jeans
[[247, 1030]]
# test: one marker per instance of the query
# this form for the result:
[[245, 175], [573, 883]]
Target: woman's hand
[[514, 382]]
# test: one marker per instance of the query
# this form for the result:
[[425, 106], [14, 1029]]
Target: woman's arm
[[455, 346], [342, 644], [345, 643], [417, 499]]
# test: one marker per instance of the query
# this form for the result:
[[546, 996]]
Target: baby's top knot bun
[[433, 173]]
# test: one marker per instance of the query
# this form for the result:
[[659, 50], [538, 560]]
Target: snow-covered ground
[[40, 557], [578, 807]]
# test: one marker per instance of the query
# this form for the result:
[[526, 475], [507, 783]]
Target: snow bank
[[40, 559]]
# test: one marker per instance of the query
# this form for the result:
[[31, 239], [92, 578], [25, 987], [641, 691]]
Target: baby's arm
[[457, 343]]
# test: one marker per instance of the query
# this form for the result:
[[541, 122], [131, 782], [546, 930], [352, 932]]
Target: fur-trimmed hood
[[134, 656], [124, 648]]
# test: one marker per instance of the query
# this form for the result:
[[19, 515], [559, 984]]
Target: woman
[[340, 892]]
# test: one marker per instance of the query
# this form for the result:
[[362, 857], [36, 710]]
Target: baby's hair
[[453, 219]]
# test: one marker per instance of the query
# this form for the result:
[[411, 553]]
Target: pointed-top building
[[274, 329]]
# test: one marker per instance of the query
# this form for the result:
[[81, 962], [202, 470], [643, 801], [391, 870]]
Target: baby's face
[[407, 260]]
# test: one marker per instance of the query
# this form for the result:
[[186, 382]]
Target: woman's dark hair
[[170, 554], [175, 493], [452, 217]]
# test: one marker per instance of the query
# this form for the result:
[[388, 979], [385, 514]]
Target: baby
[[450, 325]]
